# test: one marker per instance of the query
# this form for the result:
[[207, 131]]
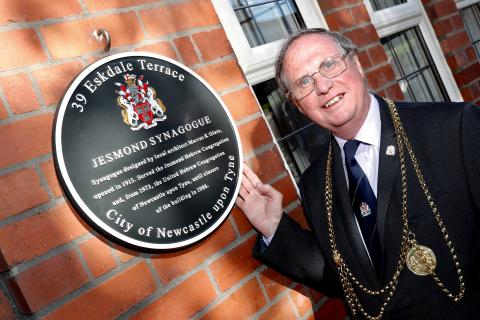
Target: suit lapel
[[388, 177], [387, 169]]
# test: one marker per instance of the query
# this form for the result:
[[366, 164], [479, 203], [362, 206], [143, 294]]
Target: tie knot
[[350, 148]]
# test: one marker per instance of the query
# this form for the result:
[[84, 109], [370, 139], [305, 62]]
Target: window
[[267, 21], [256, 29], [383, 4], [413, 66], [407, 27], [471, 20], [297, 136]]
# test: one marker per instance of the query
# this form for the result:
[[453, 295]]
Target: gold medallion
[[421, 260]]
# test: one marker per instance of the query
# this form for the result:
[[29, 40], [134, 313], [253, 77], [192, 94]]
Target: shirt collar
[[370, 131]]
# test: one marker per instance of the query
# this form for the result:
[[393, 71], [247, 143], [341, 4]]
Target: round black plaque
[[146, 151]]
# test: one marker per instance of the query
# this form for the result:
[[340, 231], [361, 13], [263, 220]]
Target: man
[[393, 203]]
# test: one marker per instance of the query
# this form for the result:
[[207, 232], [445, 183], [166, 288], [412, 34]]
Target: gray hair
[[344, 43]]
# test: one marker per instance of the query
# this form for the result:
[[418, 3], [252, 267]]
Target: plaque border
[[72, 193]]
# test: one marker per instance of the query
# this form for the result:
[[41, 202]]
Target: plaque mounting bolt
[[101, 34]]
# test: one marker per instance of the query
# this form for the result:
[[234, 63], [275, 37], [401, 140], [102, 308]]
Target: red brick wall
[[53, 265], [351, 18], [456, 46]]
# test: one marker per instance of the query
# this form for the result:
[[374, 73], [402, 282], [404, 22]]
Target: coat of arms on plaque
[[139, 103]]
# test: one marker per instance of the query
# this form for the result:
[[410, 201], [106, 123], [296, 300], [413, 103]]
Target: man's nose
[[322, 84]]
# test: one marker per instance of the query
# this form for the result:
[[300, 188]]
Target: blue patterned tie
[[364, 204]]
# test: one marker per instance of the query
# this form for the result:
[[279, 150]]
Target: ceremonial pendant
[[421, 260]]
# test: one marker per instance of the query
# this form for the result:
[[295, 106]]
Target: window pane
[[413, 66], [296, 135], [265, 21], [383, 4], [471, 19]]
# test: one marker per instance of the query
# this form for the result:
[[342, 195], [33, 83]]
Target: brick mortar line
[[248, 119], [26, 115], [447, 36], [385, 86], [229, 247], [36, 88], [357, 26], [234, 224], [233, 89], [155, 276], [43, 181], [43, 44], [339, 9], [319, 304], [264, 292], [471, 63], [376, 67], [223, 296], [213, 281], [279, 177], [471, 83], [271, 302], [83, 262], [196, 49], [58, 303], [34, 261], [180, 279], [186, 32], [83, 5], [6, 105], [43, 65], [369, 46], [101, 54], [258, 151], [165, 38], [141, 23], [446, 17], [133, 310], [84, 15], [52, 203], [114, 253], [178, 56], [11, 300], [25, 164], [230, 57], [433, 2], [292, 206], [294, 307], [455, 32]]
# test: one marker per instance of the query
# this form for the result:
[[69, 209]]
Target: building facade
[[54, 266]]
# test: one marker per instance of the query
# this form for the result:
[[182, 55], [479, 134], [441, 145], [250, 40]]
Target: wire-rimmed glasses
[[328, 68]]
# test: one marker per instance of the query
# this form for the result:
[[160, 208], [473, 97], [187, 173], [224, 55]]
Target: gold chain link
[[346, 275]]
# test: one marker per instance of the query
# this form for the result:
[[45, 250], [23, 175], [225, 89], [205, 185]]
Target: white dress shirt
[[368, 151]]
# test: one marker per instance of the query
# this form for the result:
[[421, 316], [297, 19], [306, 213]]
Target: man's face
[[339, 104]]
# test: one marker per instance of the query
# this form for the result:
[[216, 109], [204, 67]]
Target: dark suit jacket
[[446, 142]]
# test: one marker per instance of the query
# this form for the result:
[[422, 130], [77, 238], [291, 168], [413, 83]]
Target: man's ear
[[358, 65]]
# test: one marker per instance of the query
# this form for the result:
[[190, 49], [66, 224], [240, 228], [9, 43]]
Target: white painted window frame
[[461, 4], [410, 14], [258, 63]]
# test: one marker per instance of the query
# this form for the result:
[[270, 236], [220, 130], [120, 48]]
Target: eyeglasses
[[329, 68]]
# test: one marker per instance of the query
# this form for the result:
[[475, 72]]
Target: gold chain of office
[[419, 259]]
